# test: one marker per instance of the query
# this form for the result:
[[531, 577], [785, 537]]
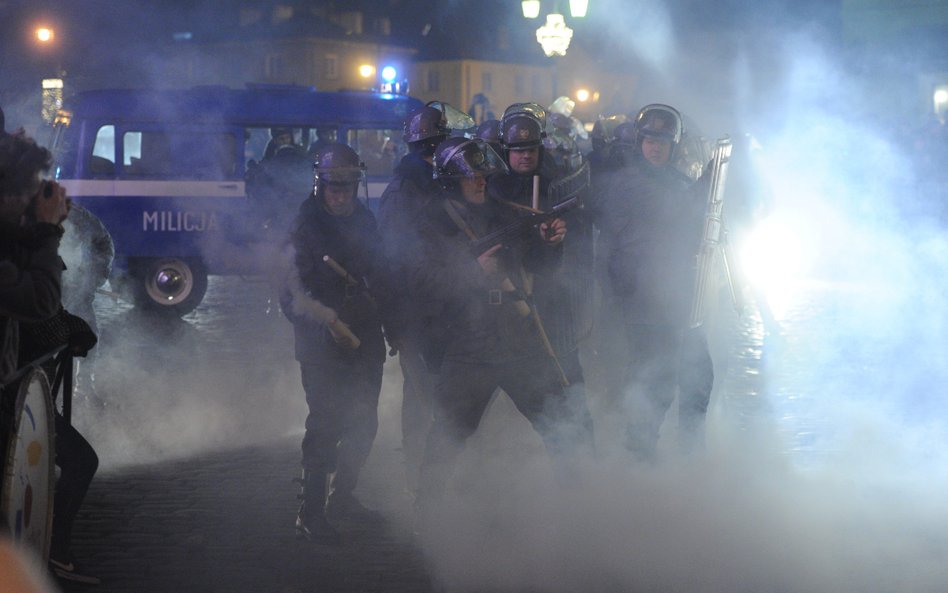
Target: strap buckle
[[495, 296]]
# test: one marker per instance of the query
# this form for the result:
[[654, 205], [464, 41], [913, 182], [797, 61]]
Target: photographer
[[31, 214], [33, 321]]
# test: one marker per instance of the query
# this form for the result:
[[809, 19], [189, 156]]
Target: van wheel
[[169, 285]]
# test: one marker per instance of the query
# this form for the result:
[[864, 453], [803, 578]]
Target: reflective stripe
[[198, 189], [152, 188]]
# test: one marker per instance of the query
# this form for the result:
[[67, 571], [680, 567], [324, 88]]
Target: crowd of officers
[[468, 312]]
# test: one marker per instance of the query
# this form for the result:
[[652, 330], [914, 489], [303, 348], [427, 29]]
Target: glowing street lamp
[[44, 34], [366, 70], [582, 95], [554, 36]]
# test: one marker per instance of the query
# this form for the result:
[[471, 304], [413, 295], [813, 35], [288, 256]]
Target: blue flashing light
[[389, 74]]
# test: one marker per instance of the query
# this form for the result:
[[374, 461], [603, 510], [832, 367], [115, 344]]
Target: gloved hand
[[81, 337]]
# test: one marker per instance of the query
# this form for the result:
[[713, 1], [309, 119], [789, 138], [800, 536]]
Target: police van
[[165, 171]]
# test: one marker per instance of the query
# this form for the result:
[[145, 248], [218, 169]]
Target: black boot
[[311, 520], [344, 504]]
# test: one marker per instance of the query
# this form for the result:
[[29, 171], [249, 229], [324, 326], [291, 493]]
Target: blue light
[[389, 73]]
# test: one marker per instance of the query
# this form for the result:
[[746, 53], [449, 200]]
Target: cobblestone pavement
[[194, 493], [223, 522]]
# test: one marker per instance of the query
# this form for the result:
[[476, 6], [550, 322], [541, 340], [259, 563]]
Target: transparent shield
[[456, 120]]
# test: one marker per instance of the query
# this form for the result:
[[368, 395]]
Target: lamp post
[[51, 88], [554, 36]]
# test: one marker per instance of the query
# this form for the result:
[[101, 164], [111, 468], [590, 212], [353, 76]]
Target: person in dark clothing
[[336, 257], [277, 185], [30, 267], [479, 330], [562, 294], [650, 238], [400, 216], [31, 216]]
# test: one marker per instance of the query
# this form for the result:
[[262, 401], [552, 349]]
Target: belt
[[499, 297]]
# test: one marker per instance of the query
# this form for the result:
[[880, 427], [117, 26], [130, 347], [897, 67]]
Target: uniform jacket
[[651, 232], [401, 216], [455, 294], [563, 293], [314, 294], [30, 289]]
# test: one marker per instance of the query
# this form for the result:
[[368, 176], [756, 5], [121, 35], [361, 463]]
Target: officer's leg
[[561, 421], [577, 402], [461, 394], [695, 381], [650, 385], [322, 384], [360, 422], [416, 409]]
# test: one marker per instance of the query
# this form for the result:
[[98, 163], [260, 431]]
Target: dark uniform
[[277, 185], [341, 382], [650, 238], [401, 214], [476, 332], [563, 294]]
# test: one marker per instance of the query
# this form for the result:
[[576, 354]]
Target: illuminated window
[[486, 81], [940, 101], [52, 98], [103, 152]]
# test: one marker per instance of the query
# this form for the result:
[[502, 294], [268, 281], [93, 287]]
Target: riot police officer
[[562, 295], [400, 214], [479, 330], [650, 238], [489, 131], [335, 256]]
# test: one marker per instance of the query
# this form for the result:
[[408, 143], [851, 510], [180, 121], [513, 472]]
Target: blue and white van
[[165, 171]]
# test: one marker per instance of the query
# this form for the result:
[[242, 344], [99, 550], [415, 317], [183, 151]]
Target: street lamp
[[554, 36], [44, 34]]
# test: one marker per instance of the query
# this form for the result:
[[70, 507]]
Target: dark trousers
[[461, 395], [664, 358], [77, 463], [343, 419], [416, 409]]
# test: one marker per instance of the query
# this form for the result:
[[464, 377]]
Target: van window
[[309, 139], [103, 152], [380, 150], [179, 155]]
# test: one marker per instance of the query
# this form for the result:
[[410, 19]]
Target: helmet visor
[[471, 158], [340, 175]]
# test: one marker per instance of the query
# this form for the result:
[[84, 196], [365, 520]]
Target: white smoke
[[826, 461]]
